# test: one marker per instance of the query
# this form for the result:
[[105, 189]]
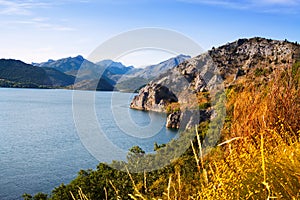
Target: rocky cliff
[[213, 71], [153, 97]]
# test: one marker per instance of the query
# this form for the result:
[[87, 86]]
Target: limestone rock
[[153, 97], [188, 118], [173, 120]]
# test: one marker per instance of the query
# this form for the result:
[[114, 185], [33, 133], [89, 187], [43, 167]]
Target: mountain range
[[79, 73]]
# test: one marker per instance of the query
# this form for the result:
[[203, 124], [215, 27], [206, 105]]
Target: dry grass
[[244, 172], [259, 157]]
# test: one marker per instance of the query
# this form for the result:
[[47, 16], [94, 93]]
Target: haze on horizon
[[35, 31]]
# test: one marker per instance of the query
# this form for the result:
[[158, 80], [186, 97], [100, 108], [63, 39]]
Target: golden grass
[[259, 157], [246, 172]]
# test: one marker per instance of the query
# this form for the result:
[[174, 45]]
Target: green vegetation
[[172, 107], [12, 84], [258, 156], [14, 73], [260, 72]]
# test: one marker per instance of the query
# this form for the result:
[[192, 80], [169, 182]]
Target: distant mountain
[[58, 78], [115, 67], [155, 70], [136, 79], [71, 65], [114, 75], [15, 73], [68, 65], [115, 70], [89, 72], [87, 79]]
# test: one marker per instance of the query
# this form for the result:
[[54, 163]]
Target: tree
[[40, 196], [136, 150], [26, 196], [157, 146]]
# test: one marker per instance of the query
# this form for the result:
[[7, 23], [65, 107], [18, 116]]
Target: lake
[[40, 146]]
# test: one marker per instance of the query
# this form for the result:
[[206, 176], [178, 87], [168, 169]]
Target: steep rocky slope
[[243, 60]]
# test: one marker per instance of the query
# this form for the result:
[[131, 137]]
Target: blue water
[[40, 147]]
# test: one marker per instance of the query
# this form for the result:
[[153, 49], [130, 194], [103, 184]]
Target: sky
[[35, 31]]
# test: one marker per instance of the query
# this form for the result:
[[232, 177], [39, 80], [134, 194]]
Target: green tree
[[40, 196], [26, 196]]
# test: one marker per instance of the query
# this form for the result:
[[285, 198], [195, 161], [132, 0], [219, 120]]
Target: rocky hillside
[[243, 60], [249, 55]]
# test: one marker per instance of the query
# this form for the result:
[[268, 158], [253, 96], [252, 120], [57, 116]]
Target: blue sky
[[36, 31]]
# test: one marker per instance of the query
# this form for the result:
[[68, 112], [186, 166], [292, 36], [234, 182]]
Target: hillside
[[245, 143], [252, 60], [14, 73]]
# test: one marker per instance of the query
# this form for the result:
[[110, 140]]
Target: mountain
[[71, 65], [136, 79], [115, 67], [88, 73], [68, 65], [115, 70], [58, 78], [155, 70], [15, 73], [251, 60], [114, 75]]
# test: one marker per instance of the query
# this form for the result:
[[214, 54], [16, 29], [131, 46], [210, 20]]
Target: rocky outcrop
[[153, 97], [245, 55], [188, 118], [173, 120]]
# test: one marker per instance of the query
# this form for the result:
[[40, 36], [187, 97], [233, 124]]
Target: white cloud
[[40, 23], [23, 12], [20, 7], [26, 7]]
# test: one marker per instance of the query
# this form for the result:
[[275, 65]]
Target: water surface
[[39, 144]]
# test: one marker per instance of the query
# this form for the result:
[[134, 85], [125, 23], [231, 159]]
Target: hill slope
[[15, 73]]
